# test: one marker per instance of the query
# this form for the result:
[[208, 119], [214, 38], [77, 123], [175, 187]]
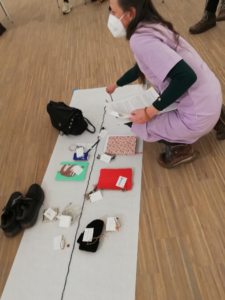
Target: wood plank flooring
[[44, 56]]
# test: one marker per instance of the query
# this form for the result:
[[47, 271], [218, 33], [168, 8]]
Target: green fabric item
[[182, 78], [129, 76]]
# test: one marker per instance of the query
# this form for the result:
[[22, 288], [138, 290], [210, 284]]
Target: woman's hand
[[139, 115], [111, 88]]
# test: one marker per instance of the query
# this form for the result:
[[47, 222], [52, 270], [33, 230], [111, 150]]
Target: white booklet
[[123, 109]]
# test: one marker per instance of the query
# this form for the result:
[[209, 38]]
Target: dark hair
[[146, 14]]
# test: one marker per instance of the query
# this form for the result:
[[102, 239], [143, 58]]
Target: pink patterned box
[[121, 145]]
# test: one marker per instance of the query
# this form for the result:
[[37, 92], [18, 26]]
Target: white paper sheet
[[122, 109]]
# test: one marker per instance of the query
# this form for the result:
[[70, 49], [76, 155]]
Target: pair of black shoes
[[2, 29], [22, 211]]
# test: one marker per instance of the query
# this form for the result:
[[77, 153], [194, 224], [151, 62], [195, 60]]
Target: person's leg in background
[[220, 125], [66, 7], [209, 18], [2, 29], [221, 14]]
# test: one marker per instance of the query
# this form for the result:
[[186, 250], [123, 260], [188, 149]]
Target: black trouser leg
[[67, 1], [169, 144], [212, 6]]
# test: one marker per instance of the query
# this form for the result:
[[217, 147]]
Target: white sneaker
[[66, 8]]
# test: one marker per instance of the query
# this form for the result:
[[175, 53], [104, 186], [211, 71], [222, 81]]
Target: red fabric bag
[[109, 177]]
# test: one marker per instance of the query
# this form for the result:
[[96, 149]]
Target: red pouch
[[109, 177]]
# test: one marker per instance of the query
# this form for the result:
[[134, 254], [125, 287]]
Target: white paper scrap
[[121, 182], [57, 242], [78, 170], [96, 196], [103, 133], [88, 234], [80, 152], [50, 214], [106, 158]]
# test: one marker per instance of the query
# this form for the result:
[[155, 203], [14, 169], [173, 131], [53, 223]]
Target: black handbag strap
[[89, 123]]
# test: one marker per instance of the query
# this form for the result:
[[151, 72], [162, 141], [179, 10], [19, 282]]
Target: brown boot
[[221, 15], [220, 125], [176, 155], [208, 21]]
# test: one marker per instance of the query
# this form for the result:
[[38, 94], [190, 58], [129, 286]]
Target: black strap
[[89, 123]]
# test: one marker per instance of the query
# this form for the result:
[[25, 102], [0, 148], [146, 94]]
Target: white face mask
[[116, 27]]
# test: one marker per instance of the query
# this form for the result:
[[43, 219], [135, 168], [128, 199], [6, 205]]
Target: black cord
[[78, 226]]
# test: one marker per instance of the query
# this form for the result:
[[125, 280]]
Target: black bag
[[68, 120]]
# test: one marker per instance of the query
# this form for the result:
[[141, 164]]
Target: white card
[[80, 152], [103, 133], [57, 242], [88, 235], [50, 214], [96, 196], [121, 182], [77, 170], [106, 158], [111, 224]]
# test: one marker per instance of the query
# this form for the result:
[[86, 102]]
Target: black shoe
[[9, 223], [2, 29], [29, 206]]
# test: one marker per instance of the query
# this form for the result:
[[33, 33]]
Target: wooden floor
[[45, 55]]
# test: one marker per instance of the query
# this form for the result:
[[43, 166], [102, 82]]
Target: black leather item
[[68, 120], [92, 246], [29, 206], [9, 223]]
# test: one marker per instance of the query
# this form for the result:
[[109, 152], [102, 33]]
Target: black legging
[[211, 6]]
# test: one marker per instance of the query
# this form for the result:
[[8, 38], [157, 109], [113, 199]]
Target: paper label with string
[[88, 234], [50, 214], [106, 158], [80, 152], [103, 133], [121, 182], [96, 196], [57, 242], [111, 224]]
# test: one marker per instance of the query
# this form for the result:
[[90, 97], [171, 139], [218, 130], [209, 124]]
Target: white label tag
[[80, 152], [65, 221], [57, 242], [103, 133], [106, 158], [96, 196], [111, 224], [115, 114], [88, 235], [50, 214], [77, 170], [121, 182]]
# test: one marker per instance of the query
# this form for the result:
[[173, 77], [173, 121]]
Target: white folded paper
[[96, 196], [106, 158]]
